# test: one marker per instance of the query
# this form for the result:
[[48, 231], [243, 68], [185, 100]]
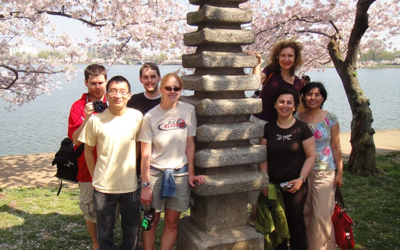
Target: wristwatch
[[145, 184], [301, 177]]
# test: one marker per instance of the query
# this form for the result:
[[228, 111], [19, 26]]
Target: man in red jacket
[[81, 110]]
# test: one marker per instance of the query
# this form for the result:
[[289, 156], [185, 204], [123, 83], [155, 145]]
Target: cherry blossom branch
[[63, 14], [16, 73], [314, 32], [125, 43], [16, 14]]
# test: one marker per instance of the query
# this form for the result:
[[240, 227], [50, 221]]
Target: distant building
[[22, 49]]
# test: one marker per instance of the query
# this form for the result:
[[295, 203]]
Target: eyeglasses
[[114, 92], [176, 89]]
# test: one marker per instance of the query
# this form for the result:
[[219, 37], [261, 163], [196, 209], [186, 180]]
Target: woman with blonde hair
[[285, 59], [167, 146]]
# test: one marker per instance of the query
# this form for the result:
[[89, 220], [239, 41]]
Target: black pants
[[105, 205], [294, 206]]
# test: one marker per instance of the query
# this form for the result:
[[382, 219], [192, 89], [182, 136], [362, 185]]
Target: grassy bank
[[38, 219]]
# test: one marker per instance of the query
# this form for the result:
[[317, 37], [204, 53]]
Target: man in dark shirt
[[150, 77]]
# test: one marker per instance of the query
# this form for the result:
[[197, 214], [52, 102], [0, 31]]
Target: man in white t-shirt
[[114, 133]]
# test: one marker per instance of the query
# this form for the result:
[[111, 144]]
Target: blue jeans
[[105, 205]]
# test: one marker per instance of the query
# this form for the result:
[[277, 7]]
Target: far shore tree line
[[101, 52], [375, 56], [333, 32]]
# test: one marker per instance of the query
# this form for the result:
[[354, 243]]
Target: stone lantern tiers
[[223, 152]]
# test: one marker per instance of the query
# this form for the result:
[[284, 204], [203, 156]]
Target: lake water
[[39, 126]]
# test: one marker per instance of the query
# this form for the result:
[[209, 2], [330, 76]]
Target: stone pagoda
[[223, 152]]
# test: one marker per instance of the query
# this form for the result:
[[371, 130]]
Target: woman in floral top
[[322, 180]]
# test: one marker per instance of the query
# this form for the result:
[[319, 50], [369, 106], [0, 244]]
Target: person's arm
[[309, 150], [88, 112], [146, 195], [90, 160], [257, 69], [337, 154], [263, 166], [190, 149]]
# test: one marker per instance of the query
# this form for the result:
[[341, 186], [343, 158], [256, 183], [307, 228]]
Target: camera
[[285, 186], [99, 106]]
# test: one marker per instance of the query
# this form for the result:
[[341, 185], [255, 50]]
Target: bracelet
[[301, 177]]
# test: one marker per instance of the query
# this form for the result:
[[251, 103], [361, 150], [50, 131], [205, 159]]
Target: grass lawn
[[36, 218]]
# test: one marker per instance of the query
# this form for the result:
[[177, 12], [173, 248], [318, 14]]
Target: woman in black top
[[290, 158]]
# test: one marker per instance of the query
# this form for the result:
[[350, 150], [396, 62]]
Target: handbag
[[342, 223]]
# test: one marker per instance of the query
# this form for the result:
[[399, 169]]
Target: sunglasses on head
[[176, 89]]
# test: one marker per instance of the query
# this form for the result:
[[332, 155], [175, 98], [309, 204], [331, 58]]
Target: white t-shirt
[[115, 138], [167, 131]]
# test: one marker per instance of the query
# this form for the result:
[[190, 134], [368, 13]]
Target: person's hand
[[339, 180], [296, 185], [252, 53], [89, 109], [265, 192], [146, 196], [201, 179]]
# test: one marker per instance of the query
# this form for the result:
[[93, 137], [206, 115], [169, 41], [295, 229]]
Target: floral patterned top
[[323, 133]]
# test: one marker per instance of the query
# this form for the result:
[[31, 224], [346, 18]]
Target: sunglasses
[[176, 89]]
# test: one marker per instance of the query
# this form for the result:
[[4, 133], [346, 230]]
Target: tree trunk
[[362, 158], [363, 152]]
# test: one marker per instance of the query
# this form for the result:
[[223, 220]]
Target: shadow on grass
[[33, 170], [42, 231], [35, 218]]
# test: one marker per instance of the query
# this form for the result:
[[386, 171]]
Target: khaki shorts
[[86, 201], [180, 202]]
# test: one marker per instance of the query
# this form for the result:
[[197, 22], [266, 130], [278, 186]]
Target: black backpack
[[66, 159]]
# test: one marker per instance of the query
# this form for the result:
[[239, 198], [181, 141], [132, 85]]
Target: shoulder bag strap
[[339, 197], [59, 190], [265, 82], [79, 151]]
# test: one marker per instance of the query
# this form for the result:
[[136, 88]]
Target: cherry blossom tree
[[332, 32], [132, 27]]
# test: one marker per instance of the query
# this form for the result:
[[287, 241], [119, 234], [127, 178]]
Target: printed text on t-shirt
[[175, 123]]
